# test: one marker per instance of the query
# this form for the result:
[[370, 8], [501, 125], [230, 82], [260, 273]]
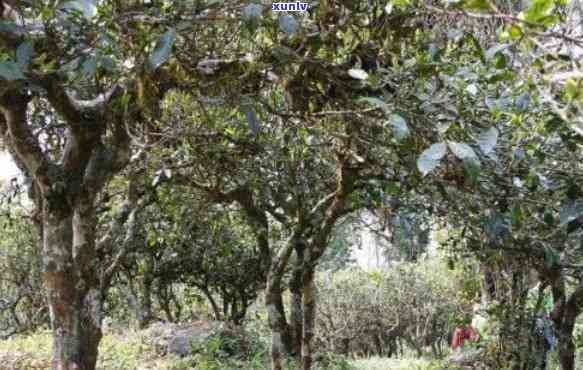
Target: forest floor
[[132, 351], [379, 363]]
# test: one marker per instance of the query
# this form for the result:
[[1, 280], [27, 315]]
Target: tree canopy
[[222, 146]]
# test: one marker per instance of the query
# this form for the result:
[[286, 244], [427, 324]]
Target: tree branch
[[23, 143]]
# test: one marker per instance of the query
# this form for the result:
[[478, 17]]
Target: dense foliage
[[195, 153], [407, 307], [22, 302]]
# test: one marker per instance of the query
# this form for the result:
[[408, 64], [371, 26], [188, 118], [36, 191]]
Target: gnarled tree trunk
[[65, 192], [74, 294]]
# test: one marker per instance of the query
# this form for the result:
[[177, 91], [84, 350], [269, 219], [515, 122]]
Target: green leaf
[[487, 140], [548, 218], [108, 64], [89, 67], [471, 170], [468, 156], [455, 34], [517, 215], [375, 102], [252, 120], [496, 226], [71, 66], [288, 24], [522, 102], [538, 11], [494, 50], [483, 5], [314, 41], [551, 258], [400, 3], [251, 11], [430, 158], [462, 151], [570, 211], [11, 71], [392, 188], [515, 32], [88, 8], [284, 54], [497, 104], [24, 54], [571, 89], [162, 52], [399, 126], [502, 76], [251, 16]]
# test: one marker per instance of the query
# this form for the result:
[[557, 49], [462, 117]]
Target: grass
[[379, 363], [130, 350], [26, 352], [116, 351]]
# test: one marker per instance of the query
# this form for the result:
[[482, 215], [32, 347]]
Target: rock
[[466, 357], [183, 341], [185, 338]]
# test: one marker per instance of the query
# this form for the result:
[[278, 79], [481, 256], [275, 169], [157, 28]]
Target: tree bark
[[212, 301], [488, 283], [564, 315], [309, 313], [281, 341], [90, 288], [65, 193], [60, 280], [316, 247], [74, 296], [295, 288], [565, 341], [145, 309]]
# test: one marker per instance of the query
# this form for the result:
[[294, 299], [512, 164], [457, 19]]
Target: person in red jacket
[[462, 334]]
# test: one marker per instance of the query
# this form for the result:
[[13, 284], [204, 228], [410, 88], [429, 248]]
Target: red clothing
[[460, 335]]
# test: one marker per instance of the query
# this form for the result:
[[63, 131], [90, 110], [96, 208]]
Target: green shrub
[[22, 300], [405, 307]]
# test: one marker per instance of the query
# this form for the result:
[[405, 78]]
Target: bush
[[22, 302], [406, 306]]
